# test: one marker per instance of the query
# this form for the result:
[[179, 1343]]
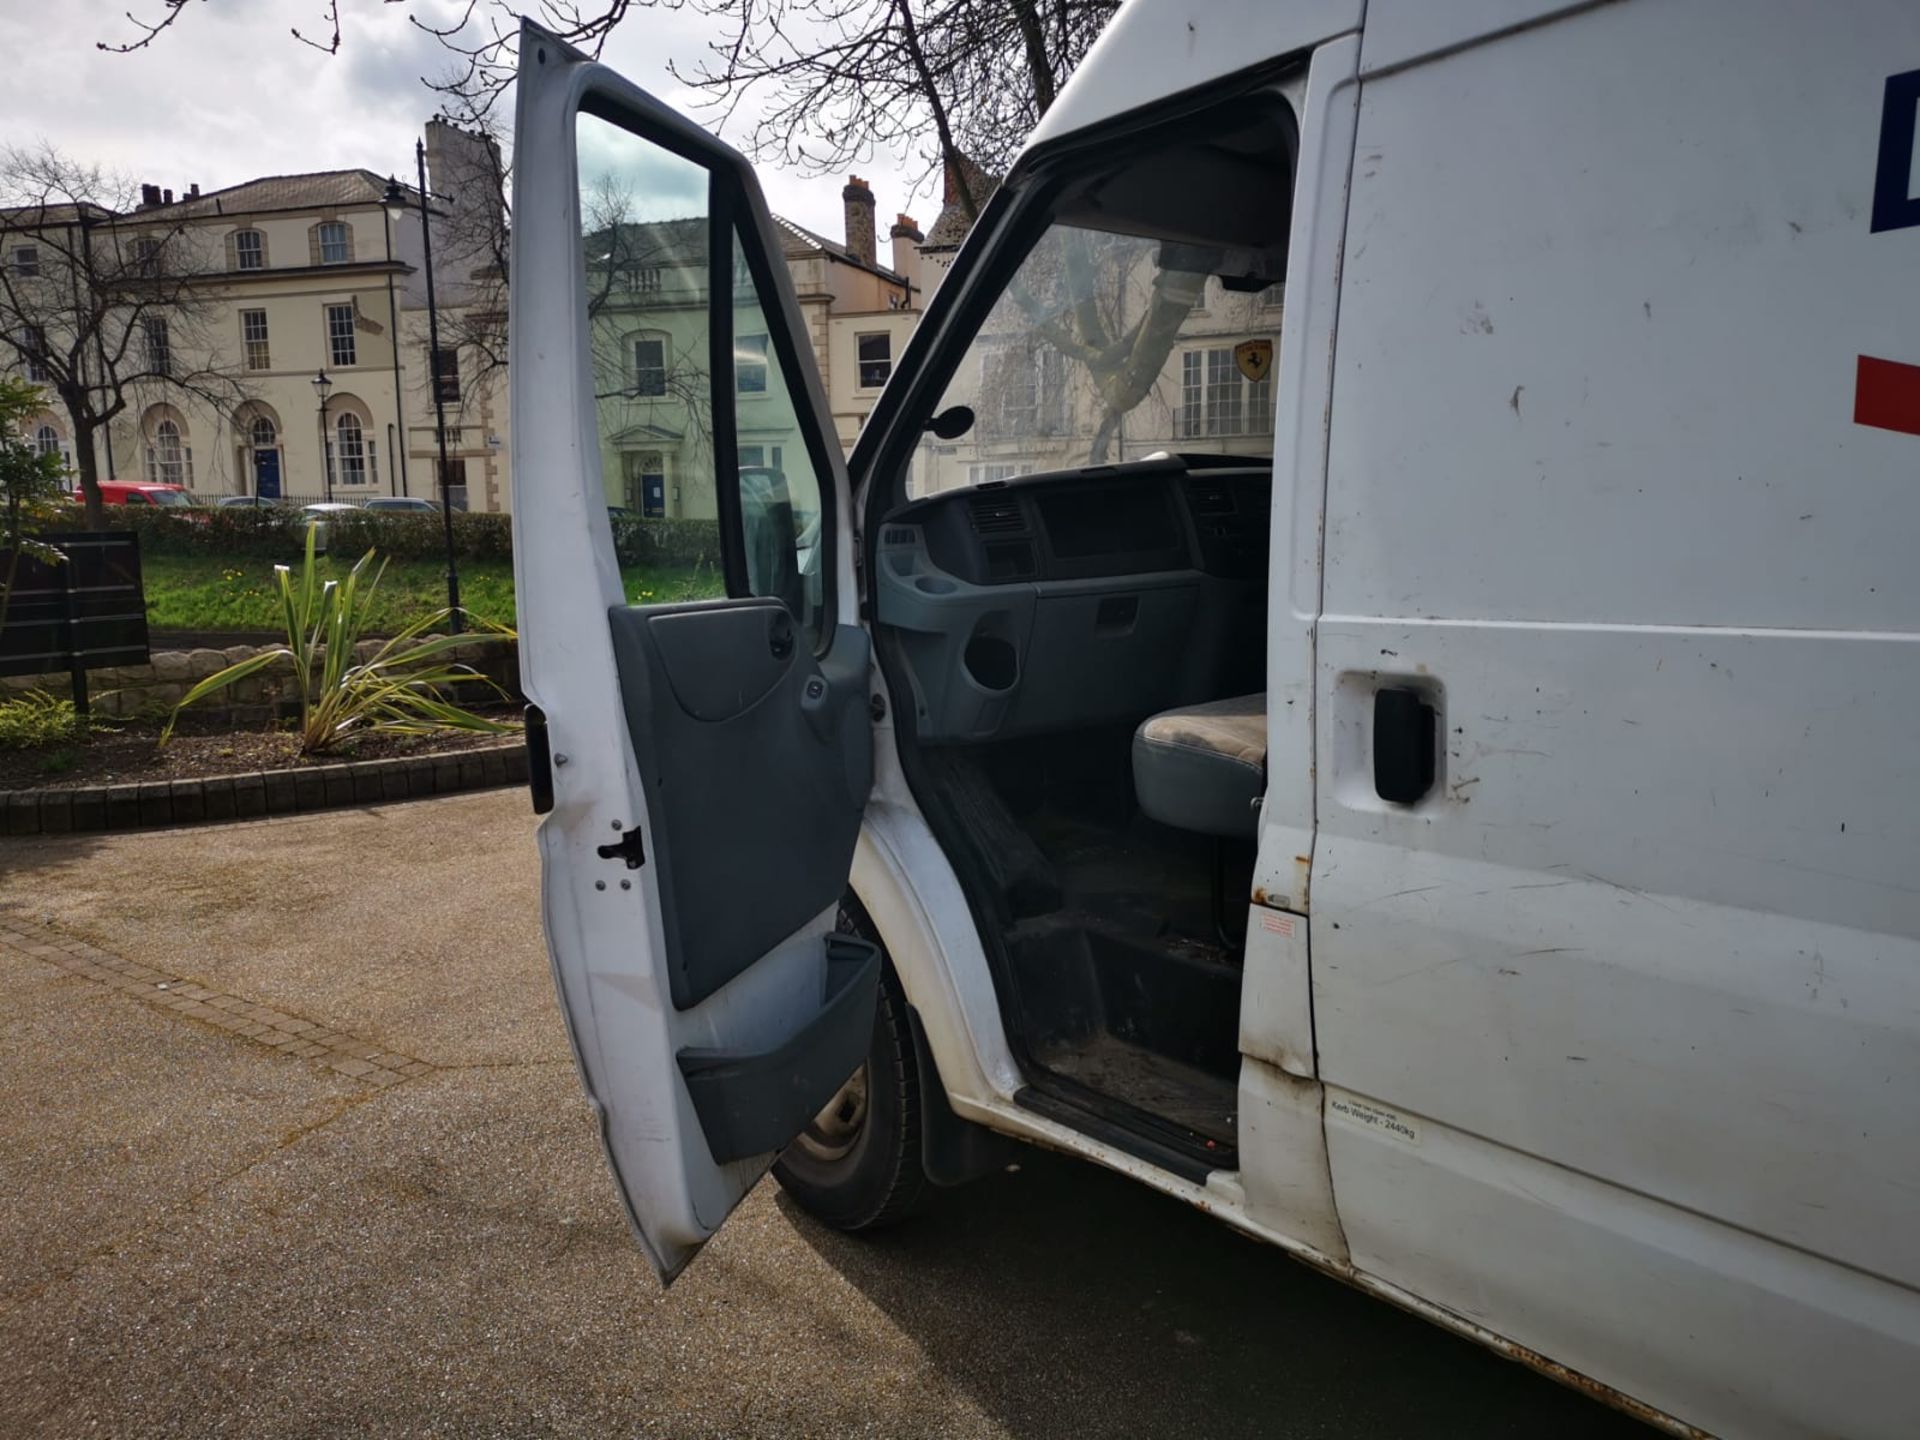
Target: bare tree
[[112, 309], [829, 81]]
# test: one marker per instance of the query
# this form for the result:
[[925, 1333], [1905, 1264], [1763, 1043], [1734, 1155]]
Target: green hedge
[[681, 543], [233, 531], [401, 536], [275, 534]]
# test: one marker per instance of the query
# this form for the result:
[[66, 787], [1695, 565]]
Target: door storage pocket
[[751, 1102]]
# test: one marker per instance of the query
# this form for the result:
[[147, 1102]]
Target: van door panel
[[692, 858], [1596, 488], [1629, 932]]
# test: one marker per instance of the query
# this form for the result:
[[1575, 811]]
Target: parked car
[[248, 502], [1452, 815], [318, 515], [403, 505], [140, 492]]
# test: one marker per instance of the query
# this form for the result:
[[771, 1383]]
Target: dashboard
[[1080, 597]]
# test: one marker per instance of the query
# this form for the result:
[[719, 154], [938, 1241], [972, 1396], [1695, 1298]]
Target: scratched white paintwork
[[605, 942], [1156, 49], [1605, 1054], [1303, 387], [1594, 481]]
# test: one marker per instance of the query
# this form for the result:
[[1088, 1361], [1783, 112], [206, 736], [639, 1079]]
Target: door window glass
[[779, 492], [643, 221], [653, 294]]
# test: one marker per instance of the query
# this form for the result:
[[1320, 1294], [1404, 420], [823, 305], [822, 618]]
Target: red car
[[139, 492]]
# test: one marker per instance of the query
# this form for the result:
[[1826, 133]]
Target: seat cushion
[[1202, 767]]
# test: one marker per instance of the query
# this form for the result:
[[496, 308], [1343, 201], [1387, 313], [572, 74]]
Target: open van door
[[702, 765]]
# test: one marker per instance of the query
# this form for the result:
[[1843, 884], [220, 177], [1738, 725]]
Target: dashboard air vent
[[996, 515], [1210, 497]]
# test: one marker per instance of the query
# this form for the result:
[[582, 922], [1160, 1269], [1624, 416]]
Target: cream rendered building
[[646, 280], [298, 277], [294, 277]]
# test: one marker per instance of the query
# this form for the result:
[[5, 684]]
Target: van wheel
[[857, 1164]]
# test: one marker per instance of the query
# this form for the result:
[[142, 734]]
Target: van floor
[[1125, 989]]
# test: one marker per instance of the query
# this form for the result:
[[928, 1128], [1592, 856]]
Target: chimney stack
[[860, 234], [149, 197], [169, 197], [906, 253], [464, 174], [193, 191]]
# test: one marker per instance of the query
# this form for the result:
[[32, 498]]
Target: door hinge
[[628, 848]]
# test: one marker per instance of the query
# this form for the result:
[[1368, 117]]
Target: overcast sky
[[228, 94]]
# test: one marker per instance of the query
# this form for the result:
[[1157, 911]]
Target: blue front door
[[653, 495], [266, 474]]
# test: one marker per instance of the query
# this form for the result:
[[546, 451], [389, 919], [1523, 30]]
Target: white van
[[1362, 671]]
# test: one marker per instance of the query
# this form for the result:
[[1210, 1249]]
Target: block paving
[[370, 1064]]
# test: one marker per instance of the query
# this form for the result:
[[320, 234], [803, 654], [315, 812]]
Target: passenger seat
[[1202, 767]]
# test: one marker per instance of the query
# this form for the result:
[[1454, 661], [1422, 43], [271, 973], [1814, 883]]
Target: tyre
[[857, 1164]]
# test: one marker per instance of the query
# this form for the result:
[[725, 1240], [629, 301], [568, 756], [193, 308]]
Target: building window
[[262, 433], [169, 461], [253, 336], [47, 440], [249, 250], [760, 457], [984, 474], [159, 346], [35, 345], [876, 360], [446, 375], [334, 243], [750, 364], [1022, 392], [1216, 399], [25, 260], [146, 254], [650, 365], [340, 334], [1225, 415], [355, 452], [453, 484]]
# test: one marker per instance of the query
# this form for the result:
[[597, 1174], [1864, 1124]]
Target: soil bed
[[128, 753]]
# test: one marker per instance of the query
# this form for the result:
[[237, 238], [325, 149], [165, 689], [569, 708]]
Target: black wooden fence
[[87, 613]]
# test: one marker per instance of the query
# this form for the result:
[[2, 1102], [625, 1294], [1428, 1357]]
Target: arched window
[[47, 440], [263, 433], [169, 461], [249, 250], [332, 243], [358, 465]]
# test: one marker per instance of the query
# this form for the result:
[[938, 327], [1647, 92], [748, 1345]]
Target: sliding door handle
[[1404, 726]]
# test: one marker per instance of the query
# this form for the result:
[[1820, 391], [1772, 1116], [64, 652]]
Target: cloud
[[227, 94]]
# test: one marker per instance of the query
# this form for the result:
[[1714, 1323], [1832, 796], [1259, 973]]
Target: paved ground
[[336, 1179]]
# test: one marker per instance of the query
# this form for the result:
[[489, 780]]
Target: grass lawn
[[212, 592]]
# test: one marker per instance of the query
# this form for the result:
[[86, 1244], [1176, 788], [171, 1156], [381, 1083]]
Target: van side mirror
[[953, 422]]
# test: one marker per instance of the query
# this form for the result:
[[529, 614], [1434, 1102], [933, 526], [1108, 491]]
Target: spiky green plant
[[398, 690]]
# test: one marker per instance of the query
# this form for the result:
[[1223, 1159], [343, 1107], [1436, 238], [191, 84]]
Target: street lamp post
[[323, 386], [397, 207]]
